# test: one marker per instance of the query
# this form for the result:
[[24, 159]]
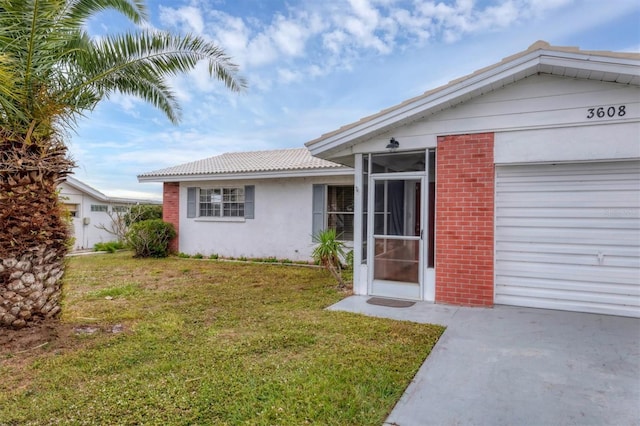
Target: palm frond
[[139, 64], [79, 11], [58, 72]]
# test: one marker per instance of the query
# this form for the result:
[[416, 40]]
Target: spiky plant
[[329, 252], [52, 72]]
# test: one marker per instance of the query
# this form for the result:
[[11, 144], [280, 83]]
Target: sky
[[313, 66]]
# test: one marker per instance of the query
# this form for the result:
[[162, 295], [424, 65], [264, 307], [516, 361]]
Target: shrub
[[150, 238], [111, 246], [141, 212]]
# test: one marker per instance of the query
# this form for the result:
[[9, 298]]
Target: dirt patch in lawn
[[38, 335], [51, 335]]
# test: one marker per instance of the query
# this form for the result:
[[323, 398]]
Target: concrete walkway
[[519, 366]]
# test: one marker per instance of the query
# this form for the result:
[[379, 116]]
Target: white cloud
[[499, 16], [288, 76], [334, 40], [259, 51], [344, 30], [188, 18], [126, 103], [289, 36], [230, 31]]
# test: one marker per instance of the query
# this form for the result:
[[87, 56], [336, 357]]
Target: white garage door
[[568, 237]]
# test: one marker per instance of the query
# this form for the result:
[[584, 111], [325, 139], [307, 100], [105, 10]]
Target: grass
[[210, 343]]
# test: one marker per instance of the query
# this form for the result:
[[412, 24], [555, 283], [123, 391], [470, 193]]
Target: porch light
[[393, 144]]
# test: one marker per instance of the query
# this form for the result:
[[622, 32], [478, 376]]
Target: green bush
[[141, 212], [150, 238], [110, 247]]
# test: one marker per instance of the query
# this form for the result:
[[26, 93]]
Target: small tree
[[121, 219], [329, 253], [116, 226], [150, 238], [141, 212]]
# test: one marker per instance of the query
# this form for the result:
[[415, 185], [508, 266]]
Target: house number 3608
[[603, 111]]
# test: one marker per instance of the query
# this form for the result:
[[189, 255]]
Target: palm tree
[[52, 72]]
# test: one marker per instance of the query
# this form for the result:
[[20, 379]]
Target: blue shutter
[[191, 202], [249, 201], [318, 209]]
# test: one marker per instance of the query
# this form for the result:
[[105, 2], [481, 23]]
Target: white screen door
[[396, 243]]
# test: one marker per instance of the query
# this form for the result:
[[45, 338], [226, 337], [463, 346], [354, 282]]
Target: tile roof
[[296, 159]]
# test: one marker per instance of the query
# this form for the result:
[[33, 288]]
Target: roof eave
[[83, 187], [279, 174], [546, 61]]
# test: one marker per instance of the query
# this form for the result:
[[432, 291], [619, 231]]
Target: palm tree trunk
[[33, 233]]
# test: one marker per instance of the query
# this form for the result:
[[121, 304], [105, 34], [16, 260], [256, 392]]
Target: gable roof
[[83, 187], [539, 58], [246, 165]]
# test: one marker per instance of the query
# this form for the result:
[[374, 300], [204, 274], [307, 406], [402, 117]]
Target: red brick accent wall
[[171, 210], [465, 181]]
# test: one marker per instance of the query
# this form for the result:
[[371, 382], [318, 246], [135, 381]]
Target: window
[[221, 202], [72, 209], [340, 211], [120, 209], [99, 208], [333, 209]]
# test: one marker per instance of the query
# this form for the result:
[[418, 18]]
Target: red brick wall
[[171, 210], [465, 178]]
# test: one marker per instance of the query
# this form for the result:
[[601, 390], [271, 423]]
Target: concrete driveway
[[519, 366]]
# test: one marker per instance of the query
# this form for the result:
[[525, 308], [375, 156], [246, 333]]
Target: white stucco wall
[[85, 224], [281, 228], [617, 141]]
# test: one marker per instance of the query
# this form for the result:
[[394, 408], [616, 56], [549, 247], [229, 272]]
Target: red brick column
[[465, 181], [171, 210]]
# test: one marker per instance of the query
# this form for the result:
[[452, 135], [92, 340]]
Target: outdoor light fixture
[[393, 144]]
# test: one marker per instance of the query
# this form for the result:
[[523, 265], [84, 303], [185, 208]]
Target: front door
[[396, 244]]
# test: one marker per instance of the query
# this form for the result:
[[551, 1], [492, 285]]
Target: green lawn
[[209, 342]]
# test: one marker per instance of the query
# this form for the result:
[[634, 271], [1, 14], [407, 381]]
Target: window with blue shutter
[[191, 201], [333, 209], [249, 201], [318, 209]]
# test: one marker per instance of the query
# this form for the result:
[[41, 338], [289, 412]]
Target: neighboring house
[[91, 210], [518, 184], [256, 204]]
